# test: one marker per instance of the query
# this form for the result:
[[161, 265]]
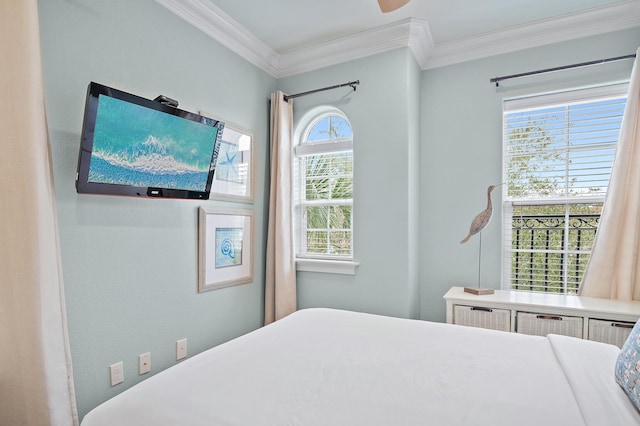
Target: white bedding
[[330, 367]]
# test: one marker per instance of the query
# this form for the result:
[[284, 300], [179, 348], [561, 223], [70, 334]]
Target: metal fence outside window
[[550, 252]]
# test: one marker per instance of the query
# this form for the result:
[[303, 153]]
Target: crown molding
[[406, 33], [211, 20], [421, 42], [595, 21], [411, 33]]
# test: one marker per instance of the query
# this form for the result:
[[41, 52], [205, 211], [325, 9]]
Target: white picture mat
[[210, 277]]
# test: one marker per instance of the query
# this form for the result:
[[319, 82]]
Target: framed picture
[[233, 178], [225, 248]]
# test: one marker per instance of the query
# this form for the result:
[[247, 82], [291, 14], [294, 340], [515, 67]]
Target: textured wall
[[383, 116], [461, 152], [130, 265]]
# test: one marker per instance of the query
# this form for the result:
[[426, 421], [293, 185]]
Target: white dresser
[[602, 320]]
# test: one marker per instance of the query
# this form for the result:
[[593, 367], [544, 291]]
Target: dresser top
[[510, 298]]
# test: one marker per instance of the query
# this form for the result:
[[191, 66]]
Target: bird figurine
[[482, 219]]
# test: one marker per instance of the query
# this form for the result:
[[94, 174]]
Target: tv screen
[[139, 147]]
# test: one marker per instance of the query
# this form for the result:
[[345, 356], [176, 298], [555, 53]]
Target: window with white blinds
[[558, 151], [324, 193]]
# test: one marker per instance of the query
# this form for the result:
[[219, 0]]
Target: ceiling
[[286, 37]]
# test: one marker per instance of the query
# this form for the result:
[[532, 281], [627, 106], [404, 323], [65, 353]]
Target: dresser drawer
[[542, 324], [475, 316], [612, 332]]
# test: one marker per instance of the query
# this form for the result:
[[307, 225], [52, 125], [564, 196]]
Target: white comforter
[[330, 367]]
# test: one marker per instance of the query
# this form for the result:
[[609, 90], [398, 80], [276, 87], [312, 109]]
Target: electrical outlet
[[144, 363], [116, 371], [181, 349]]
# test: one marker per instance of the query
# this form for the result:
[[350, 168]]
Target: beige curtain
[[280, 282], [613, 271], [36, 384]]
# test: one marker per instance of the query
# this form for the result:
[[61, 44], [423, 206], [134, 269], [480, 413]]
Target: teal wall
[[385, 127], [461, 152], [427, 144], [130, 265]]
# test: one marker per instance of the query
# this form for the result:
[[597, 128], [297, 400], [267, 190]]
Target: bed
[[334, 367]]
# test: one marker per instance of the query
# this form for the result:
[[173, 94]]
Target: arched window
[[324, 188]]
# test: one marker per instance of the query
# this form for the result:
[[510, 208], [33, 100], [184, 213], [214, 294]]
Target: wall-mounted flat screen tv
[[139, 147]]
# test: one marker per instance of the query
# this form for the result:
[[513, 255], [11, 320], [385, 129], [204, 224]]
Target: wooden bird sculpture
[[482, 219]]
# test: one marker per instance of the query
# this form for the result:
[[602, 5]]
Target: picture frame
[[225, 248], [233, 177]]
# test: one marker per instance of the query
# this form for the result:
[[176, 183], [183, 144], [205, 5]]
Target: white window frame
[[309, 262], [540, 102]]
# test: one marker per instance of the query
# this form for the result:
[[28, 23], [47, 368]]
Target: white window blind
[[325, 190], [558, 153]]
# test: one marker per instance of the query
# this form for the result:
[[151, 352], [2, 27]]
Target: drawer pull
[[621, 325], [477, 308], [549, 317]]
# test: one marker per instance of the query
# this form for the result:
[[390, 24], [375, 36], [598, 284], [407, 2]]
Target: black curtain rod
[[497, 80], [353, 85]]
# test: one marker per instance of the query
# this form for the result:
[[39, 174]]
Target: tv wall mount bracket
[[165, 100]]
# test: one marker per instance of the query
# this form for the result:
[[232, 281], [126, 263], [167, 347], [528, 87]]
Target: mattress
[[333, 367]]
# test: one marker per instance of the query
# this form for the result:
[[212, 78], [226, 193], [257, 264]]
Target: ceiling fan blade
[[391, 5]]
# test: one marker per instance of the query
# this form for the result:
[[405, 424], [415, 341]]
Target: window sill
[[346, 267]]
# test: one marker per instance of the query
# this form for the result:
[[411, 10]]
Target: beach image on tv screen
[[143, 147]]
